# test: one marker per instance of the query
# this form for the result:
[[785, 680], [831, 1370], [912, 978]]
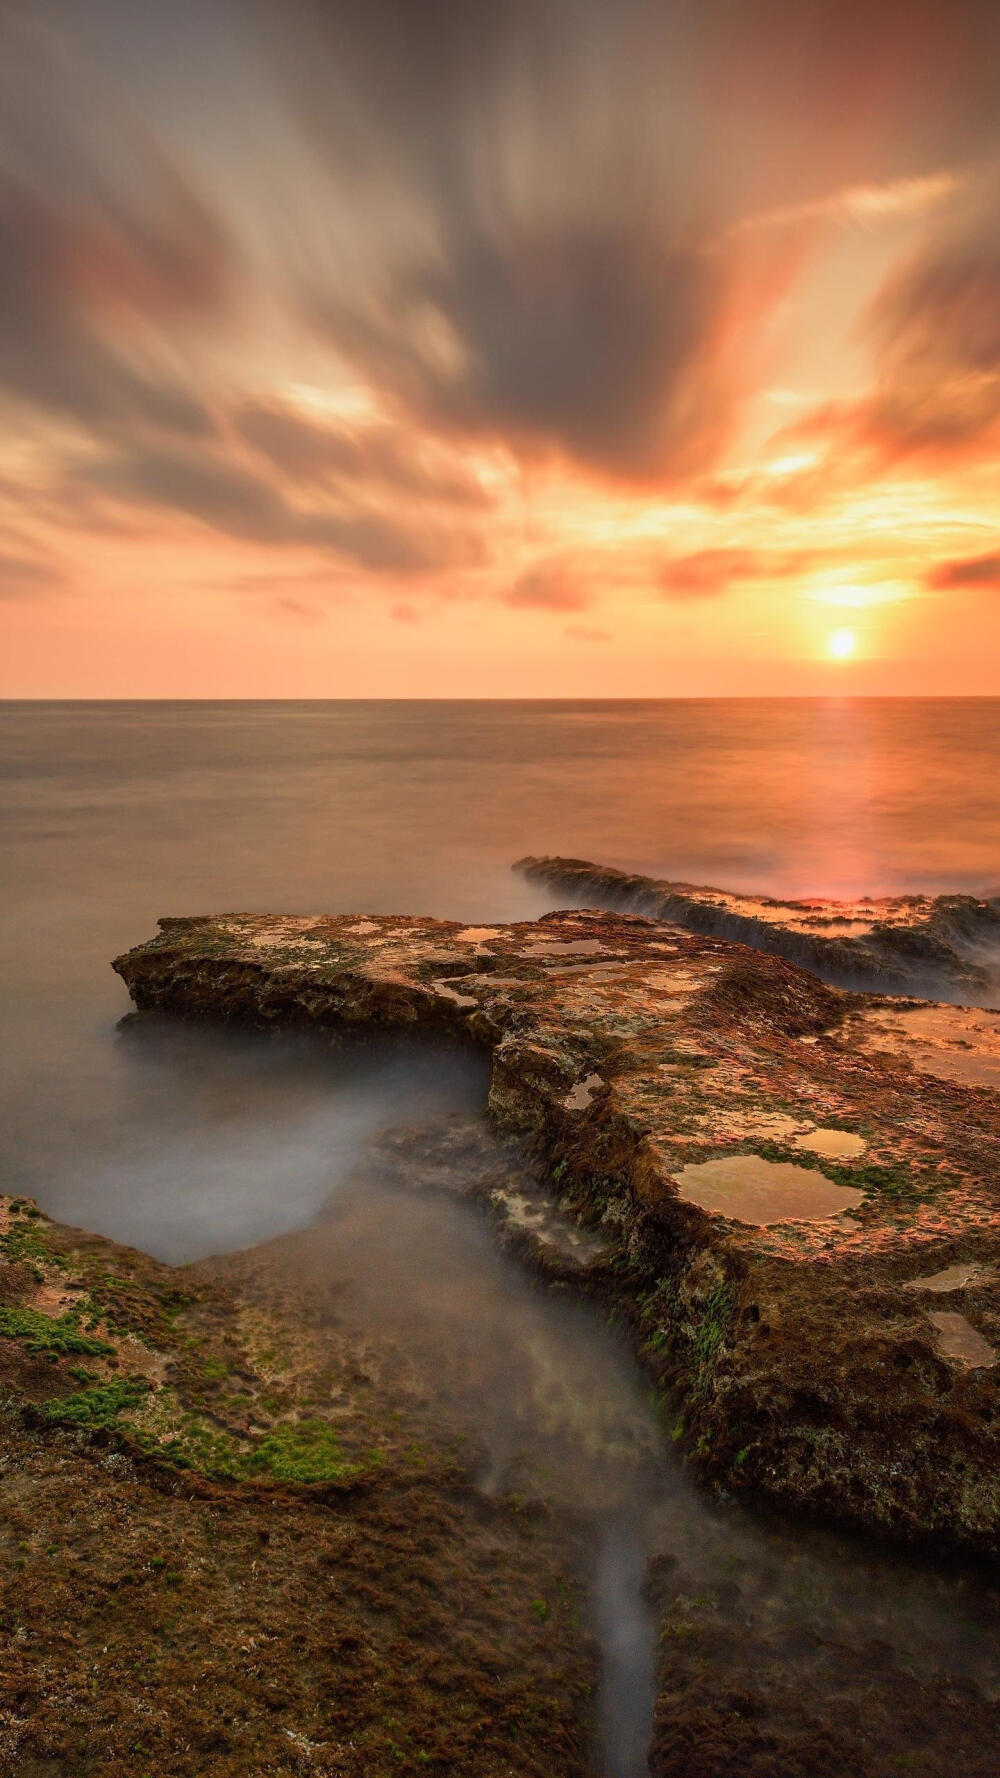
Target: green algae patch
[[25, 1244], [716, 1315], [42, 1333], [159, 1422], [98, 1407], [898, 1183], [306, 1451], [303, 1451], [179, 1436]]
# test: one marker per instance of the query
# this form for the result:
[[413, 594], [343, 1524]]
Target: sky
[[587, 348]]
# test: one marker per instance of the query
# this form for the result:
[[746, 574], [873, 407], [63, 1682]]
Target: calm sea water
[[115, 813]]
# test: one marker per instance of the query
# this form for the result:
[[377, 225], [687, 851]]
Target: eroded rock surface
[[626, 1050], [945, 946]]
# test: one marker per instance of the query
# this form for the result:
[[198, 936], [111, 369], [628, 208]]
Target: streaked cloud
[[555, 309], [377, 454], [212, 489], [864, 206]]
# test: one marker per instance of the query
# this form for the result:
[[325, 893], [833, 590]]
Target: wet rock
[[456, 1155], [949, 1279], [959, 1043], [960, 1340]]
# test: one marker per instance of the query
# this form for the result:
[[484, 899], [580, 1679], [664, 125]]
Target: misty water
[[186, 1142]]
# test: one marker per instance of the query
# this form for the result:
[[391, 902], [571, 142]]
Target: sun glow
[[841, 644]]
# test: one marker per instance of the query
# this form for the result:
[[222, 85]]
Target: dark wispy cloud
[[967, 571], [239, 503], [570, 275], [325, 452], [572, 337], [107, 253], [933, 331], [936, 325], [548, 586], [24, 576], [67, 346]]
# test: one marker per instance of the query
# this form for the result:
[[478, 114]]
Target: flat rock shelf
[[807, 1349]]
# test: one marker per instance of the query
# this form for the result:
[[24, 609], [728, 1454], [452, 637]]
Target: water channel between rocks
[[236, 1140]]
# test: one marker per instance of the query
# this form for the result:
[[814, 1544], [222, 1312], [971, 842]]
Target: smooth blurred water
[[115, 813]]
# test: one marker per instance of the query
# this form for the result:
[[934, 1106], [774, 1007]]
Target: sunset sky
[[510, 347]]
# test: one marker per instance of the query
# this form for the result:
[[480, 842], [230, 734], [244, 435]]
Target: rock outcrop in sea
[[788, 1192], [944, 946]]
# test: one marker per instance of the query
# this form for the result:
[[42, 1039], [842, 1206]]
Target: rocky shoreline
[[841, 1366], [251, 1528]]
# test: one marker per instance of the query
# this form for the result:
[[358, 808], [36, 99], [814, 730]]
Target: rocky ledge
[[792, 1190], [944, 945]]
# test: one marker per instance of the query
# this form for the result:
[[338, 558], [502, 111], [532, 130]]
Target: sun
[[841, 644]]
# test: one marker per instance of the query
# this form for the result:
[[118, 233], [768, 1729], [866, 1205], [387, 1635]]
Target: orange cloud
[[706, 573]]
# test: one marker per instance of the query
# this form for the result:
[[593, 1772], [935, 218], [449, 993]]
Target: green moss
[[93, 1408], [173, 1303], [43, 1334], [899, 1183], [717, 1310], [304, 1452], [24, 1243], [195, 1445]]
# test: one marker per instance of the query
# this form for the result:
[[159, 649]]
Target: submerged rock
[[627, 1051]]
